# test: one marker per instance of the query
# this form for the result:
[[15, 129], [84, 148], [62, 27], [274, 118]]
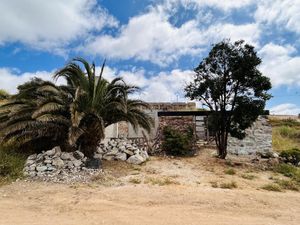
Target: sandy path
[[40, 203]]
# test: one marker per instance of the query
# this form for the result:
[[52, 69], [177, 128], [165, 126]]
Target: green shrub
[[11, 165], [288, 185], [272, 187], [178, 143], [291, 156], [289, 171], [248, 176], [230, 172], [229, 185]]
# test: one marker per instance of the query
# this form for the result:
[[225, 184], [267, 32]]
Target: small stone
[[128, 152], [65, 156], [97, 156], [78, 155], [57, 162], [136, 159], [41, 168], [50, 152], [77, 163], [48, 161], [29, 162], [108, 157], [32, 167], [32, 157], [121, 156]]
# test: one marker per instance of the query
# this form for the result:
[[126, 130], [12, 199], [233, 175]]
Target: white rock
[[51, 152], [121, 156], [108, 157], [41, 168], [32, 157], [57, 162], [66, 156], [136, 159], [127, 151], [77, 163]]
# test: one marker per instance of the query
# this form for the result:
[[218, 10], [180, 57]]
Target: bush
[[272, 187], [178, 143], [229, 185], [291, 156], [289, 171], [11, 165], [230, 172]]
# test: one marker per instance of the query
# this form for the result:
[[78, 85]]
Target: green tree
[[229, 83], [73, 115]]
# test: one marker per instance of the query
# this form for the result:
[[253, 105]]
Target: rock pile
[[56, 165], [122, 150]]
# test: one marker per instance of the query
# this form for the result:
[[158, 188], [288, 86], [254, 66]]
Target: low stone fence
[[258, 140]]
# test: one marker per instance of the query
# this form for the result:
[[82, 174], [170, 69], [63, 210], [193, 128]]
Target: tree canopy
[[229, 83], [73, 115]]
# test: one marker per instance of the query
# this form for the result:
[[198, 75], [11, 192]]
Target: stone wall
[[180, 123], [258, 139]]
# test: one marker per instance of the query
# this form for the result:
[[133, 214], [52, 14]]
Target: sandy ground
[[162, 191]]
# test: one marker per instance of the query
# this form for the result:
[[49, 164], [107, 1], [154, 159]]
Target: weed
[[230, 172], [288, 185], [289, 171], [229, 185], [272, 187], [11, 166], [134, 180], [214, 184], [248, 176], [161, 181]]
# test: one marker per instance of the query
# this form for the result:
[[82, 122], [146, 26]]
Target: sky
[[154, 44]]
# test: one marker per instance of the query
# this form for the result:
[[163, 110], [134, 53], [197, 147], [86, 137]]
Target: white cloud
[[248, 32], [152, 37], [149, 36], [219, 4], [164, 87], [280, 65], [283, 13], [285, 109], [11, 78], [50, 25]]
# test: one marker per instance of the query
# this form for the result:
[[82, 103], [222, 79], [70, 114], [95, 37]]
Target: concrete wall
[[258, 139]]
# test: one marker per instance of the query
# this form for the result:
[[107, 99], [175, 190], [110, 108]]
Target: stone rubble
[[122, 150], [57, 166]]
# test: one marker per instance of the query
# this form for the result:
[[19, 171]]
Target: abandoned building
[[180, 116]]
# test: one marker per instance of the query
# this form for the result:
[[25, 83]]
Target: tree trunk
[[221, 141]]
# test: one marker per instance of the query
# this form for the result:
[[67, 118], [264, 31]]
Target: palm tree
[[73, 116], [28, 122], [97, 104]]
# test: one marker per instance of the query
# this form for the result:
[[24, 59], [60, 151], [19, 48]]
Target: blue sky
[[151, 43]]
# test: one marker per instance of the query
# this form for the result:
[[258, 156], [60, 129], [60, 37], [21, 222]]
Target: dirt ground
[[162, 191]]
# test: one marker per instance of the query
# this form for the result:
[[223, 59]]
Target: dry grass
[[230, 171], [135, 180], [161, 181], [229, 185], [286, 134], [272, 187], [248, 176]]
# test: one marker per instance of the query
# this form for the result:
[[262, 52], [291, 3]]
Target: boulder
[[51, 152], [135, 159], [65, 156], [58, 163], [41, 168], [32, 157], [121, 156]]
